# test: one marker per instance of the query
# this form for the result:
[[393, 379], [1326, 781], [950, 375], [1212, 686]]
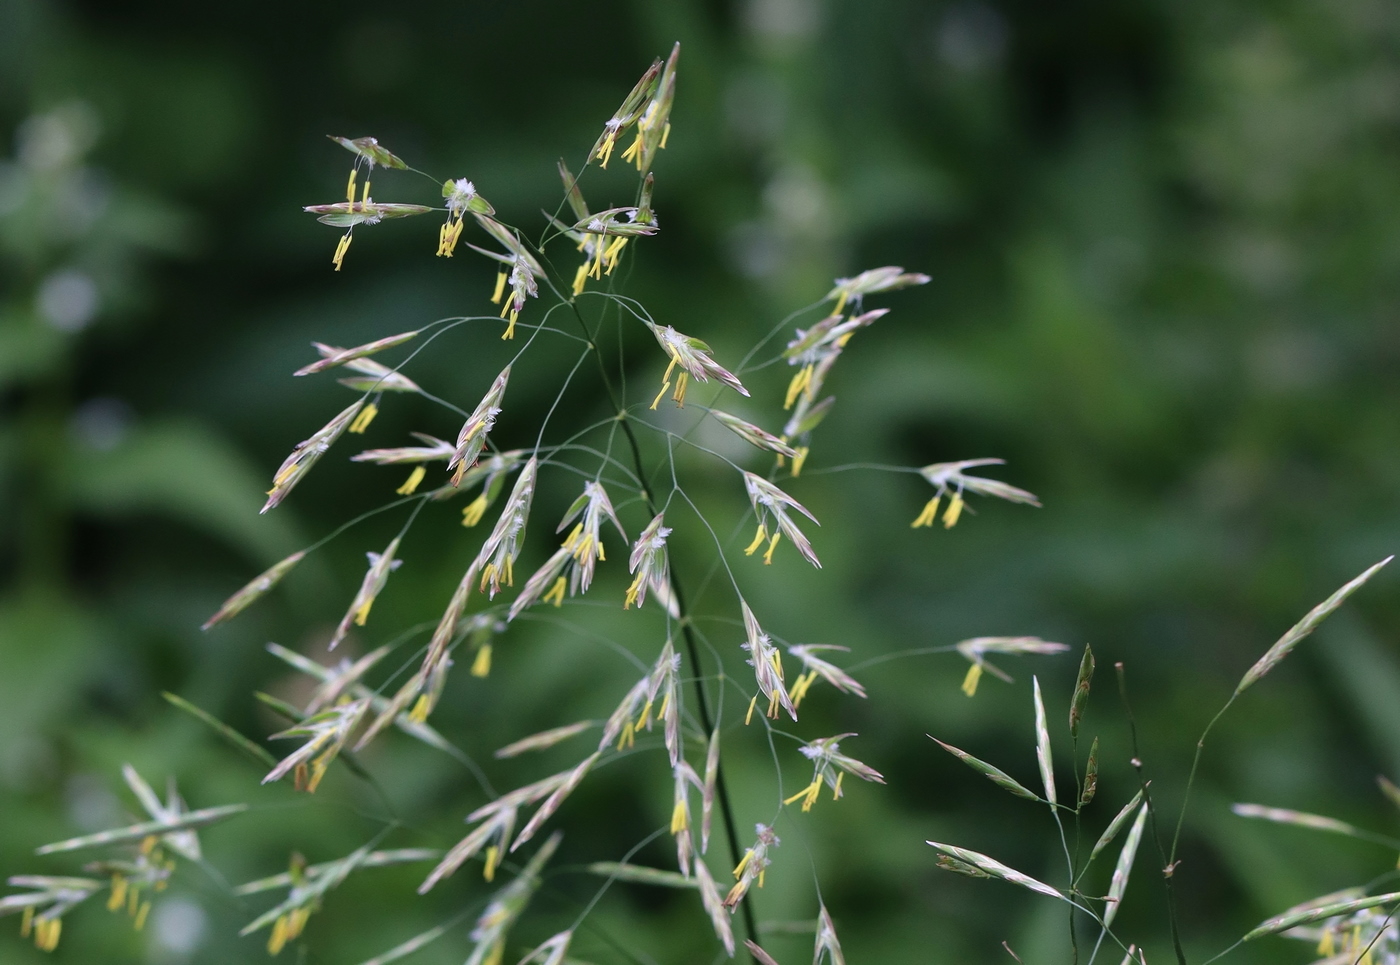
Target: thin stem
[[687, 631], [1191, 780], [1169, 864]]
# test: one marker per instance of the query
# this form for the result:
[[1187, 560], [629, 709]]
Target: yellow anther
[[341, 248], [678, 819], [969, 684], [682, 381], [364, 198], [365, 417], [634, 150], [836, 791], [46, 933], [471, 515], [605, 152], [929, 514], [800, 686], [611, 253], [1327, 946], [752, 704], [510, 325], [481, 666], [318, 771], [580, 277], [657, 401], [628, 738], [743, 863], [448, 236], [840, 304], [800, 381], [362, 614], [665, 702], [758, 539], [772, 545], [665, 133], [954, 510], [500, 288], [26, 921], [140, 922], [411, 483], [278, 939], [798, 461], [350, 187], [633, 590], [644, 717], [421, 708], [556, 593], [595, 270], [118, 895], [809, 792], [493, 856]]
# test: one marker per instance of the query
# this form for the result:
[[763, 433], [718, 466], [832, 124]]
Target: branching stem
[[692, 648]]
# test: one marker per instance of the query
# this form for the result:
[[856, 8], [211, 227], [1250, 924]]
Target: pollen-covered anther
[[928, 515], [800, 381], [808, 794], [363, 419], [759, 538], [969, 684], [954, 510], [410, 485], [341, 248], [473, 511]]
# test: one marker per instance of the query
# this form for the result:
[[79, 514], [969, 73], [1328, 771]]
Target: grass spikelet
[[306, 454], [1315, 822], [342, 356], [642, 875], [994, 774], [996, 869], [1114, 826], [572, 779], [714, 907], [759, 955], [1299, 631], [1042, 745], [1081, 690], [265, 581], [375, 579], [1304, 916], [1119, 883], [545, 738], [138, 832]]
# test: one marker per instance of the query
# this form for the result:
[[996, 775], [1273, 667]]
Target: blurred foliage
[[1165, 243]]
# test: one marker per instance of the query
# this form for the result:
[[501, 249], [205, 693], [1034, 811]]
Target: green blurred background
[[1165, 248]]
